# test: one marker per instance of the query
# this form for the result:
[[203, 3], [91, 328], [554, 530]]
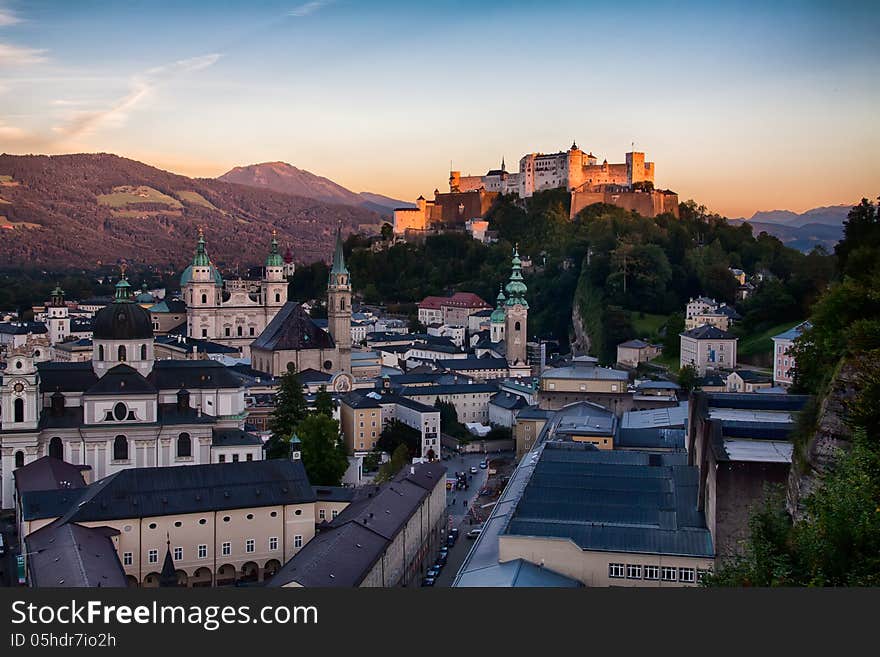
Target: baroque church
[[235, 311], [122, 409], [294, 342]]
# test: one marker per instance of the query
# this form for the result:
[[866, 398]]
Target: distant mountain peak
[[285, 178]]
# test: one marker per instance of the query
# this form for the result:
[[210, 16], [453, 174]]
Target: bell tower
[[58, 317], [274, 283], [339, 306], [516, 315]]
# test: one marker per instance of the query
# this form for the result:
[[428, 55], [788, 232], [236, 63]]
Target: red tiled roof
[[457, 300]]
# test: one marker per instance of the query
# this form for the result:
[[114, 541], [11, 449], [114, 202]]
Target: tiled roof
[[292, 329]]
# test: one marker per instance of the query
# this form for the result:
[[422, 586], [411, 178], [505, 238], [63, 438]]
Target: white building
[[784, 362], [708, 348]]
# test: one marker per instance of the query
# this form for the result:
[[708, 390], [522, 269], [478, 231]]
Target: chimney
[[412, 469]]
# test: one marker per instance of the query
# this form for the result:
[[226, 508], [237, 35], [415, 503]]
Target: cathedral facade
[[121, 409], [232, 312]]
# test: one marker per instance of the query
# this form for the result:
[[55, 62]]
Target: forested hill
[[627, 264], [85, 210]]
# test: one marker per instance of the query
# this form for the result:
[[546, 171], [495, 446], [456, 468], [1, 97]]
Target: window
[[615, 570], [222, 458], [322, 514], [273, 543], [120, 448], [120, 412], [143, 352], [226, 549], [240, 331], [19, 459], [100, 352], [249, 457], [633, 571], [120, 353], [652, 572], [178, 554], [251, 330], [18, 410], [153, 556], [203, 551], [297, 541], [204, 333], [127, 558], [184, 446], [235, 458], [668, 573], [249, 545], [686, 575], [702, 574], [204, 298], [334, 513], [277, 297]]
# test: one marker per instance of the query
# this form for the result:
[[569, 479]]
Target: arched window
[[342, 303], [56, 448], [204, 298], [516, 326], [184, 445], [120, 353], [240, 330], [120, 448], [143, 352], [100, 352], [277, 297], [19, 459], [18, 410]]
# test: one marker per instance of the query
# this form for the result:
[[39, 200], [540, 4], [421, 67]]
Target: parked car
[[472, 534], [474, 469], [454, 532], [433, 571], [441, 560], [428, 581], [450, 540], [484, 465], [2, 545]]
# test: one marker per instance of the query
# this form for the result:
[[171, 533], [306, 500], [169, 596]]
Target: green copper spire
[[123, 290], [516, 288], [201, 258], [498, 314], [338, 256], [274, 259]]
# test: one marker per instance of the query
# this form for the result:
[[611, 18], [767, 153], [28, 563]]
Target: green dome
[[274, 259], [498, 314], [516, 289], [200, 259]]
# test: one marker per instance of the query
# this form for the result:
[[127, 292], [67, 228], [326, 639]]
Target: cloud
[[141, 86], [18, 56], [308, 8], [8, 18]]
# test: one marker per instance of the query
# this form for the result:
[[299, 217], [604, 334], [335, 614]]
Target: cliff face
[[580, 343], [831, 436]]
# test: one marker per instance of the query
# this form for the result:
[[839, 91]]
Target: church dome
[[122, 319]]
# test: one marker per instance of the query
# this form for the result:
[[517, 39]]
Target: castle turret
[[516, 314], [339, 306]]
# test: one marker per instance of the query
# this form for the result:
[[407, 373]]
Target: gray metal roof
[[70, 555], [585, 371]]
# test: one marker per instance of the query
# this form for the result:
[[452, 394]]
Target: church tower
[[516, 315], [274, 284], [58, 317], [19, 418], [289, 265], [339, 306], [497, 320], [202, 289]]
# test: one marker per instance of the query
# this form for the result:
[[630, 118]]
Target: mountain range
[[89, 209], [285, 178], [819, 226]]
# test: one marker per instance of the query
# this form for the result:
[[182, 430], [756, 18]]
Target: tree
[[323, 453], [290, 409], [449, 420], [399, 459], [687, 377], [324, 402], [395, 434], [387, 231]]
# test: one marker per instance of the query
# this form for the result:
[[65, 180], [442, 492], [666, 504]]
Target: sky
[[743, 106]]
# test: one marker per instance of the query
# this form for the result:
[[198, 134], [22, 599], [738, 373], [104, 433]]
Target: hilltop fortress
[[629, 185]]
